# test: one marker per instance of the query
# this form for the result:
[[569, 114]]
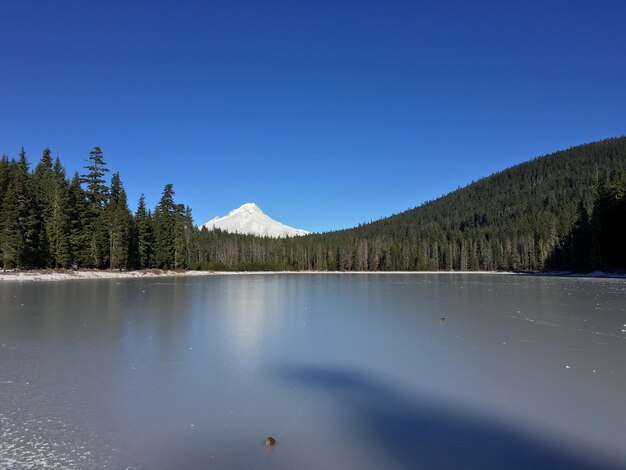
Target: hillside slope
[[521, 218], [514, 219]]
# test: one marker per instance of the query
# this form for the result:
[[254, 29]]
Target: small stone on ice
[[567, 367]]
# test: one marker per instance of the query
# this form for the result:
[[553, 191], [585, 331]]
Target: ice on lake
[[345, 371]]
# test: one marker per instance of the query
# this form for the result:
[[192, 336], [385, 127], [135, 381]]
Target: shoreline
[[68, 275]]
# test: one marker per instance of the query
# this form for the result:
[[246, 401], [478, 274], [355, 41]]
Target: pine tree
[[79, 212], [45, 185], [10, 239], [165, 229], [21, 224], [145, 234], [59, 229], [608, 224], [183, 237], [97, 195], [118, 219], [59, 172], [96, 191], [4, 177]]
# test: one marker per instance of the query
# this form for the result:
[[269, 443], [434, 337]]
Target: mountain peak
[[248, 207], [250, 219]]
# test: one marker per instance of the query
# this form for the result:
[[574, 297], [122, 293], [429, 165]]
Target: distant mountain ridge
[[249, 219]]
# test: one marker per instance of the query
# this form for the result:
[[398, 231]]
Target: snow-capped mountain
[[250, 219]]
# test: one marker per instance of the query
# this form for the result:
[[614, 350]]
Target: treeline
[[597, 240], [565, 211], [50, 221], [562, 211]]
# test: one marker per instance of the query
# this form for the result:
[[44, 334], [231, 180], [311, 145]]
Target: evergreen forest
[[564, 211]]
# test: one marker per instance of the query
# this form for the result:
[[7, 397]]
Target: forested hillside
[[561, 211]]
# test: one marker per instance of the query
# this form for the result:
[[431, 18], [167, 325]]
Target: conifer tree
[[145, 234], [4, 177], [45, 186], [96, 190], [10, 239], [59, 172], [183, 237], [59, 229], [608, 224], [118, 219], [97, 194], [80, 218], [21, 225], [165, 229]]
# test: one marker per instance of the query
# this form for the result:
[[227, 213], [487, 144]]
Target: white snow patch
[[250, 219], [67, 275], [63, 275]]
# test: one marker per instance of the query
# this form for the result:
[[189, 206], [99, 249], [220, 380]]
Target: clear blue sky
[[326, 114]]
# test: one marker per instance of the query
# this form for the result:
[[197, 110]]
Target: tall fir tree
[[10, 239], [4, 177], [59, 229], [45, 185], [165, 229], [608, 224], [119, 223], [21, 225], [80, 216], [144, 234], [182, 236], [96, 189], [97, 194]]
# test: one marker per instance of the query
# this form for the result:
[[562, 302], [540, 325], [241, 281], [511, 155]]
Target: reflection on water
[[346, 371]]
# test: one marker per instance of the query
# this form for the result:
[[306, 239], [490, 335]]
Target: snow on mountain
[[250, 219]]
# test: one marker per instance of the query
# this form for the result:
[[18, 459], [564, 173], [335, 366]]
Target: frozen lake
[[345, 371]]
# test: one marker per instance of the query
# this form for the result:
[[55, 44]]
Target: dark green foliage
[[79, 216], [49, 221], [59, 229], [4, 175], [165, 229], [10, 240], [20, 227], [45, 186], [523, 218], [184, 235], [119, 222], [96, 191], [97, 194], [564, 211], [144, 235], [608, 224]]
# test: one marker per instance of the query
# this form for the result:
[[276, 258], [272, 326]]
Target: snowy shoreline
[[65, 275]]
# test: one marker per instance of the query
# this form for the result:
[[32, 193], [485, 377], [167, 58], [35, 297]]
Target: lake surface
[[345, 371]]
